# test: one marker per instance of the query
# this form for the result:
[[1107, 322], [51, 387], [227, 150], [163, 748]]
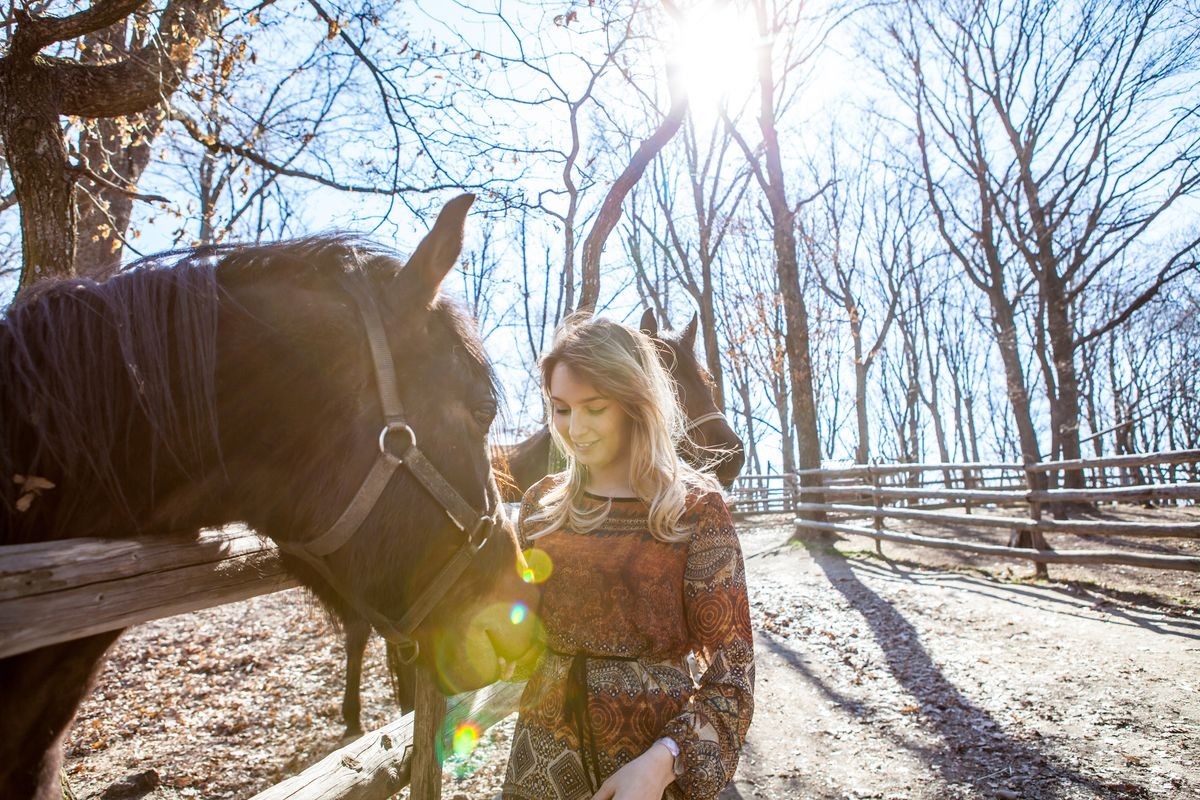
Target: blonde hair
[[622, 364]]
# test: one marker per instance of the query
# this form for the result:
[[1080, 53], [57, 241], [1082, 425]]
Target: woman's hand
[[644, 778]]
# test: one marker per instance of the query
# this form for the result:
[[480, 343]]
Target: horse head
[[324, 417], [711, 443]]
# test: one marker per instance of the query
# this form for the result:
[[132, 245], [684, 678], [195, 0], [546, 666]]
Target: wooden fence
[[1019, 498], [58, 591], [54, 592]]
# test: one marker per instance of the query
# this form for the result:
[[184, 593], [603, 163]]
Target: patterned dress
[[622, 611]]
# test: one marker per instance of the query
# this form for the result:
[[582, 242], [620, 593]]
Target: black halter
[[397, 446]]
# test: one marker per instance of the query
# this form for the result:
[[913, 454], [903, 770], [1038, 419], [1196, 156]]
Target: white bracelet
[[673, 749]]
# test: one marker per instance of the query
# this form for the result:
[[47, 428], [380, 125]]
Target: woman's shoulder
[[703, 502], [535, 493]]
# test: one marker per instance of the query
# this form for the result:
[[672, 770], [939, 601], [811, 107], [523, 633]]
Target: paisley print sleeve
[[711, 729], [530, 503]]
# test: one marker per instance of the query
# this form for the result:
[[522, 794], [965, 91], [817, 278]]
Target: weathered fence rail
[[380, 763], [54, 592], [833, 499], [57, 591]]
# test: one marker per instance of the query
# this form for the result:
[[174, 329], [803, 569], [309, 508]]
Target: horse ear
[[438, 252], [688, 338], [649, 323]]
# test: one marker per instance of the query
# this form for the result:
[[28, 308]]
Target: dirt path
[[885, 680], [876, 679]]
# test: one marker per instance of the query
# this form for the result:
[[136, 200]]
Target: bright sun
[[715, 53]]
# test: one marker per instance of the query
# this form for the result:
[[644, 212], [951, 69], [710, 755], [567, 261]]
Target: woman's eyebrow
[[585, 400]]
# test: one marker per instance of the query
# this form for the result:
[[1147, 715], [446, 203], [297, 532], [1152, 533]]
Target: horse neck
[[528, 460], [150, 502]]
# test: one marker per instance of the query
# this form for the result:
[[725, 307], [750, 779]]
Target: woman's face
[[595, 427]]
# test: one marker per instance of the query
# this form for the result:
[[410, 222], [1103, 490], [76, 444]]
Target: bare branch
[[82, 170], [34, 31], [226, 148]]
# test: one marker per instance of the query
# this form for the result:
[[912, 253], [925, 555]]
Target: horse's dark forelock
[[76, 354]]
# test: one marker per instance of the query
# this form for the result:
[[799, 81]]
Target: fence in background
[[1022, 499]]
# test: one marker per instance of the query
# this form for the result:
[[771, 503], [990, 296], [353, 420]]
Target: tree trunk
[[1062, 347], [42, 179], [1014, 376], [862, 451], [742, 381], [712, 346]]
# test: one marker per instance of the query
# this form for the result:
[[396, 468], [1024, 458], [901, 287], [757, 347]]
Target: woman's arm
[[712, 728]]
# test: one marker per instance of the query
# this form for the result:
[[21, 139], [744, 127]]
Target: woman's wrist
[[667, 756]]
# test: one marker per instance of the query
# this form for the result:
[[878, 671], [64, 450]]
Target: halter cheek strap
[[397, 447]]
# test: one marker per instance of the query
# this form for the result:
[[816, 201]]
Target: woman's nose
[[576, 426]]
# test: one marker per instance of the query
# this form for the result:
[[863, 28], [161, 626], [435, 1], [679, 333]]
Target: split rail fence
[[53, 592], [1022, 499], [58, 591]]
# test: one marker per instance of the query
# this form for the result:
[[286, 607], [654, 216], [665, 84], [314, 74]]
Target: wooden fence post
[[968, 484], [878, 501], [430, 710], [1032, 537]]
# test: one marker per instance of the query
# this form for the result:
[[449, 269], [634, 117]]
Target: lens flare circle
[[538, 566], [518, 613], [466, 738]]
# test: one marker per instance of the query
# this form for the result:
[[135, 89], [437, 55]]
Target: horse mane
[[78, 355], [84, 364]]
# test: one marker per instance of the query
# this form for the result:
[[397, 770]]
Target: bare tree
[[1055, 141], [858, 235], [696, 229], [38, 90], [788, 38]]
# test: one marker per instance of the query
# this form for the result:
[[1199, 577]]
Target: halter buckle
[[388, 430], [407, 650]]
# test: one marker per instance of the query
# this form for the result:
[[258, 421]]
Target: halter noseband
[[693, 424], [397, 446]]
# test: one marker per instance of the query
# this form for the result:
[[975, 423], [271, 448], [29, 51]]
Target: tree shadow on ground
[[1069, 598], [976, 748]]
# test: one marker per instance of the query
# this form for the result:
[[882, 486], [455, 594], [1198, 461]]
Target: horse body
[[237, 386]]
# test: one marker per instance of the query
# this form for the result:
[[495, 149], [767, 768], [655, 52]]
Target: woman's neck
[[613, 482]]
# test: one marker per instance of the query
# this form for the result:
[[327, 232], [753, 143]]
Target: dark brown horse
[[712, 445], [242, 385]]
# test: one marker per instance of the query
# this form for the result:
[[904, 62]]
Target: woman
[[644, 569]]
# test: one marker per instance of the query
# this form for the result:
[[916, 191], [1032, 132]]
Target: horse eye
[[485, 414]]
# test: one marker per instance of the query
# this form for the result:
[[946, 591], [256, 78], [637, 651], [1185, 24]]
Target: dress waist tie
[[575, 710]]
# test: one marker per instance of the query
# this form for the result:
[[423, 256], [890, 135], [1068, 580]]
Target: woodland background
[[940, 230]]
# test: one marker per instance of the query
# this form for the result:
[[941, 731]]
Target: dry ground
[[914, 677]]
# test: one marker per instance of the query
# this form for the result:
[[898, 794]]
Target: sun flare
[[714, 54]]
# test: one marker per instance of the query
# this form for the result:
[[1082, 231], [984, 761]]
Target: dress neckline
[[602, 498]]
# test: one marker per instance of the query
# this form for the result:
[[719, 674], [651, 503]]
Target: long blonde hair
[[623, 365]]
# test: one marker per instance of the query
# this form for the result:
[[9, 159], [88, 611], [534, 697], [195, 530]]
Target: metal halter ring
[[480, 534], [395, 427]]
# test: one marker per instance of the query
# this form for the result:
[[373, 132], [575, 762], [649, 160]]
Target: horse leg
[[357, 631], [40, 691]]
